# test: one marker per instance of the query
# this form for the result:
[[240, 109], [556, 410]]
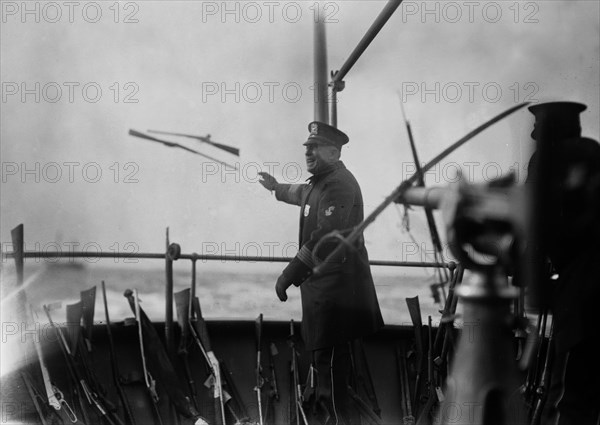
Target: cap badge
[[314, 128]]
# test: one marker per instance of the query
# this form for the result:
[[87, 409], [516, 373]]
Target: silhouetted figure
[[574, 397], [570, 230]]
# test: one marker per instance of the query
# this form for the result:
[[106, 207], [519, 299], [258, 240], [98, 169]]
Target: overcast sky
[[77, 76]]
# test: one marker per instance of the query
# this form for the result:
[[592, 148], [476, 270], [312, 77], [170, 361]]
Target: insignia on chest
[[329, 211], [306, 210]]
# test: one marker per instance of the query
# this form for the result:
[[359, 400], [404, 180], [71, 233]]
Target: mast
[[321, 111]]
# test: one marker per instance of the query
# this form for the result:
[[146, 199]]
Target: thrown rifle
[[114, 363], [160, 363], [204, 139], [258, 371], [176, 145]]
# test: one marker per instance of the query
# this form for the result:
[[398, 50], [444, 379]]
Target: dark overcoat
[[341, 304]]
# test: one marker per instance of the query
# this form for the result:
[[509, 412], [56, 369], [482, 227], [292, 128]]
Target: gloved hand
[[281, 286], [268, 181]]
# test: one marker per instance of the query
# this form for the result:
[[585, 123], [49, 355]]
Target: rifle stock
[[414, 310], [182, 302], [114, 364]]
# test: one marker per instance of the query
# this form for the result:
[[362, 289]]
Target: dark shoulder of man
[[342, 177]]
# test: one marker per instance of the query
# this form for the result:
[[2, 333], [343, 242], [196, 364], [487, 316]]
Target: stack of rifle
[[73, 392], [149, 383], [431, 356], [150, 391]]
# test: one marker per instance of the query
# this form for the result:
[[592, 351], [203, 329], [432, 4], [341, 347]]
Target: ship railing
[[172, 253], [71, 255]]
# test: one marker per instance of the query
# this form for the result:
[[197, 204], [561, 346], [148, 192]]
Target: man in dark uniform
[[340, 304], [574, 398], [573, 182]]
